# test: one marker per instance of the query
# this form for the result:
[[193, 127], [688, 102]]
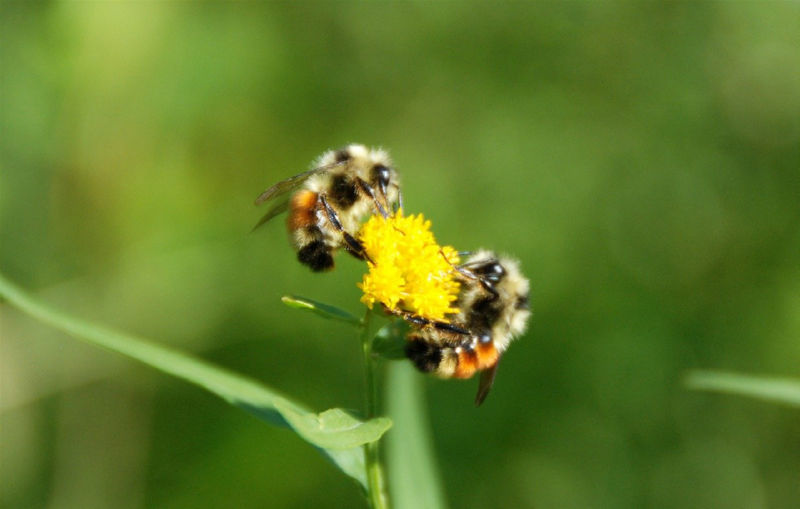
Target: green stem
[[376, 492]]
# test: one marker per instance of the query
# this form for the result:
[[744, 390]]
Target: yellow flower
[[408, 269]]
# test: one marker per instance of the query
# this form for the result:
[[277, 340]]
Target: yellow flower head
[[408, 269]]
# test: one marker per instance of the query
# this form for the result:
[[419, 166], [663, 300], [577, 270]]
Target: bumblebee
[[493, 310], [330, 200]]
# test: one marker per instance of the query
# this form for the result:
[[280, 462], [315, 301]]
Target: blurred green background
[[643, 162]]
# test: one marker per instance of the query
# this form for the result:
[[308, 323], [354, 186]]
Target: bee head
[[492, 271]]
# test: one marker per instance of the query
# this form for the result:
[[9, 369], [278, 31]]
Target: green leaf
[[334, 428], [320, 308], [779, 390], [334, 432], [414, 479]]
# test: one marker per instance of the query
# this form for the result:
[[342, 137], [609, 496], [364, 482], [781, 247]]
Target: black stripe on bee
[[316, 255], [484, 313], [425, 356], [343, 192], [342, 155]]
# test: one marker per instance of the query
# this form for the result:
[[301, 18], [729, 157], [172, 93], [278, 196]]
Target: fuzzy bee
[[342, 187], [493, 304]]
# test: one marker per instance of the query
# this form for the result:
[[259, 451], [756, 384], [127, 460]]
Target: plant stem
[[376, 492]]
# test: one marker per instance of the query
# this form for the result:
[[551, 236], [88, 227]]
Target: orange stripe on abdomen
[[302, 210], [487, 355], [467, 364]]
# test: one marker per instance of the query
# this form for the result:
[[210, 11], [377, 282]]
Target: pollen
[[408, 270]]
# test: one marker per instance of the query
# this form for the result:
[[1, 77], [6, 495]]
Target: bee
[[493, 310], [341, 188]]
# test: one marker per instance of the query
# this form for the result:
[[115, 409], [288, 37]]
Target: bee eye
[[380, 174]]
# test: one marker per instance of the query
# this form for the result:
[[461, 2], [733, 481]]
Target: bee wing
[[476, 263], [291, 183], [278, 207], [485, 384]]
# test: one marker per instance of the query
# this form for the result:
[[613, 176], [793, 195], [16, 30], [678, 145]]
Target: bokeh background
[[642, 161]]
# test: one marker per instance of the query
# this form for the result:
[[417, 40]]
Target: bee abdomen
[[302, 210], [312, 249], [446, 361], [425, 356], [317, 255], [487, 355]]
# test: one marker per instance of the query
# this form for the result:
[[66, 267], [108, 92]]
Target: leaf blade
[[779, 390], [341, 440], [320, 308]]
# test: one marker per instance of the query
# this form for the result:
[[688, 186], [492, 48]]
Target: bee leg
[[485, 283], [425, 322], [353, 245], [444, 326], [369, 191], [399, 205]]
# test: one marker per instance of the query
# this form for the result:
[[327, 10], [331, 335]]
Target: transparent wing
[[485, 383], [284, 186], [278, 207], [477, 263]]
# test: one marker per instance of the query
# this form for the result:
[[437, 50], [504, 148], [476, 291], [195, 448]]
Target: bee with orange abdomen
[[342, 187], [493, 310]]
